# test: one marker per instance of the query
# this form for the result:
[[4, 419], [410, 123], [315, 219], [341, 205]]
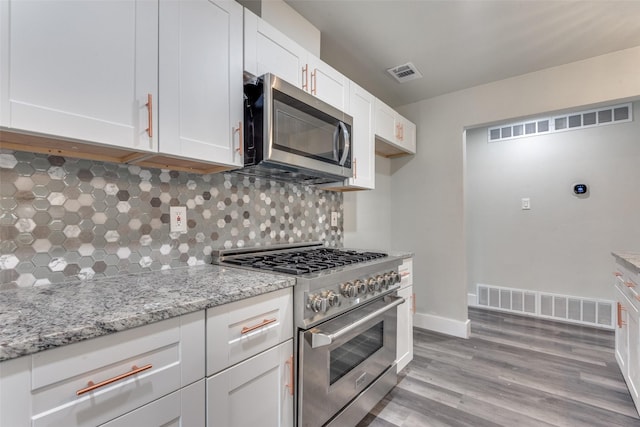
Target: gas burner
[[300, 262]]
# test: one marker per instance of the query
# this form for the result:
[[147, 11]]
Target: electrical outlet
[[526, 204], [178, 221], [334, 219]]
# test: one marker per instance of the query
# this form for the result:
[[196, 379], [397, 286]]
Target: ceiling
[[458, 44]]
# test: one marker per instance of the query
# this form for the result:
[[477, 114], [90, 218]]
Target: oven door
[[340, 358]]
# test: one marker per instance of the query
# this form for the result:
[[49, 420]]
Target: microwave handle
[[319, 338], [347, 143]]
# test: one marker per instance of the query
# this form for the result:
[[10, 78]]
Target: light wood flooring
[[514, 371]]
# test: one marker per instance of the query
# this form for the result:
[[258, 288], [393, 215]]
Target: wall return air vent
[[404, 73]]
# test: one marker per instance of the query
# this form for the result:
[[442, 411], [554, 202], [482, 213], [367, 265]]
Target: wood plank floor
[[514, 371]]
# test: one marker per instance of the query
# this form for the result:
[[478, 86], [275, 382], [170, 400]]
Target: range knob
[[371, 284], [333, 298], [387, 281], [379, 281], [317, 303], [348, 289], [360, 286], [396, 277]]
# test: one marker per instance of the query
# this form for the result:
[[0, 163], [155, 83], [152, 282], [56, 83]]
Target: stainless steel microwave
[[291, 135]]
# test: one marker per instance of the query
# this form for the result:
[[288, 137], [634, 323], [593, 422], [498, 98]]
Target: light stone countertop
[[631, 260], [39, 318]]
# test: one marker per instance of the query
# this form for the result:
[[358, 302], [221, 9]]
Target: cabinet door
[[622, 334], [267, 50], [385, 122], [183, 408], [256, 392], [633, 343], [327, 83], [201, 80], [81, 69], [404, 353], [407, 134], [361, 108]]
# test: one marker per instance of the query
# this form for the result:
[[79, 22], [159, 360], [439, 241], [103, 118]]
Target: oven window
[[355, 351]]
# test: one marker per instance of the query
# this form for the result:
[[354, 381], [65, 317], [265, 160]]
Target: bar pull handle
[[405, 274], [305, 77], [265, 322], [289, 385], [355, 168], [149, 105], [240, 141], [413, 300], [617, 274], [630, 284], [92, 386], [314, 82]]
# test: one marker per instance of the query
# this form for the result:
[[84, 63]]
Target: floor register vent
[[584, 311]]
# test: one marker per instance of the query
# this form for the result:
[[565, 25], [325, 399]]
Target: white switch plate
[[526, 204], [334, 219], [178, 216]]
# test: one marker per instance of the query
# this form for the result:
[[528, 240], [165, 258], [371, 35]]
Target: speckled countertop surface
[[631, 260], [40, 318]]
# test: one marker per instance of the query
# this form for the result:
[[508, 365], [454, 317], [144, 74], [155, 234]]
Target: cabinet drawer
[[242, 329], [406, 271], [167, 354]]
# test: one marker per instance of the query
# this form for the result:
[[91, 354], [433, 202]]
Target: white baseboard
[[443, 325]]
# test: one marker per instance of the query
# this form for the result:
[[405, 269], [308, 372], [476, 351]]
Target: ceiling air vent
[[404, 73]]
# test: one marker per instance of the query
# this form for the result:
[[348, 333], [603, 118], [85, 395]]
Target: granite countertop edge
[[45, 317], [629, 259]]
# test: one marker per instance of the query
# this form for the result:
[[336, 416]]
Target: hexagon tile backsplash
[[66, 219]]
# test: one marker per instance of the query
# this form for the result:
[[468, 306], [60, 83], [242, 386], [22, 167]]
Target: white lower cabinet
[[256, 392], [96, 381], [250, 362], [627, 345], [404, 342]]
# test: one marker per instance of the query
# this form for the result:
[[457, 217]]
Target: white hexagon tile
[[66, 219]]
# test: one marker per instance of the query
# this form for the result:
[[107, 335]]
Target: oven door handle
[[321, 339]]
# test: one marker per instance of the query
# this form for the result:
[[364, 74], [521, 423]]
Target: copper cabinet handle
[[617, 274], [413, 300], [405, 273], [637, 297], [149, 105], [91, 386], [630, 284], [619, 315], [289, 385], [239, 130], [314, 82], [265, 322], [305, 77], [401, 132], [355, 168]]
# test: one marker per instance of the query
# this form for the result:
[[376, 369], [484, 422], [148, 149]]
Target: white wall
[[367, 214], [563, 244], [428, 189]]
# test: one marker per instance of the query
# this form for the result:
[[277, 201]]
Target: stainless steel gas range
[[345, 318]]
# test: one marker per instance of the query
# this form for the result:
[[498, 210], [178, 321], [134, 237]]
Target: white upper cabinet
[[327, 83], [201, 109], [81, 70], [361, 108], [267, 50], [395, 135]]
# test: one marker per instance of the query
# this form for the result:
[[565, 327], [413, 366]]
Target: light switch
[[526, 204], [334, 219]]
